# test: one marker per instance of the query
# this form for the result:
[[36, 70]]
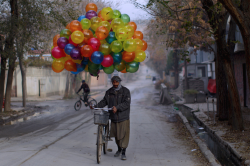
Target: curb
[[203, 147]]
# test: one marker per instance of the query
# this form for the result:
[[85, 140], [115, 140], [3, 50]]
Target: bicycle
[[90, 102], [102, 120]]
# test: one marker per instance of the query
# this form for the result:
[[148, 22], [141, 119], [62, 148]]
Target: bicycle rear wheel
[[99, 144], [78, 105], [106, 134], [92, 102]]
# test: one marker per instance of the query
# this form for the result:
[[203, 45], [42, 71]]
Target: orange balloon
[[102, 32], [55, 70], [144, 45], [87, 35], [138, 34], [68, 26], [86, 51], [75, 26], [91, 6], [124, 71], [133, 24], [70, 66], [128, 56], [86, 68], [56, 37], [100, 15]]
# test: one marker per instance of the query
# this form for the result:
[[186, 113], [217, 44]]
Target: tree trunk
[[66, 93], [185, 75], [176, 69], [23, 73], [2, 74]]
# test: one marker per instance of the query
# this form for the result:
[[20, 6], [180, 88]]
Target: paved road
[[63, 137]]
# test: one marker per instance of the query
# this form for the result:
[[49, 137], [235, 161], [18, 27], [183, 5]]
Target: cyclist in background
[[86, 91]]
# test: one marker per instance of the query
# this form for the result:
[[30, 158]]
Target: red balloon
[[70, 66], [107, 61], [71, 42], [58, 52], [94, 43]]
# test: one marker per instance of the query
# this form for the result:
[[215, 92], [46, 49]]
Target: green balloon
[[105, 49], [120, 66], [109, 70], [132, 67], [116, 14], [65, 33], [93, 66], [116, 46], [85, 23], [125, 18], [93, 72]]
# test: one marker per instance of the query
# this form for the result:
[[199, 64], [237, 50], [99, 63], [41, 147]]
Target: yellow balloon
[[86, 68], [130, 30], [103, 41], [77, 37], [129, 45], [52, 47], [95, 21], [116, 24], [107, 13], [116, 46], [139, 44], [85, 23], [140, 56], [121, 34], [105, 24], [105, 49], [58, 64]]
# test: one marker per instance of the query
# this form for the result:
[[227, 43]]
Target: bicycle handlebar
[[104, 109]]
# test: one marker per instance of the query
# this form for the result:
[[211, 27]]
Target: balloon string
[[97, 77]]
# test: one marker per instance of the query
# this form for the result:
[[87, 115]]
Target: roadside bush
[[190, 92]]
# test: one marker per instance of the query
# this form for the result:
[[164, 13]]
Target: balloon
[[55, 70], [128, 56], [58, 64], [75, 72], [120, 66], [129, 45], [111, 37], [139, 44], [117, 57], [140, 56], [77, 37], [116, 46], [94, 43], [138, 34], [94, 72], [105, 49], [116, 14], [100, 15], [116, 24], [68, 26], [87, 68], [86, 24], [80, 45], [109, 70], [80, 18], [92, 31], [77, 61], [70, 66], [121, 34], [103, 41], [71, 42], [107, 13], [87, 35], [106, 24], [62, 42], [125, 18], [68, 48], [75, 54], [57, 52], [65, 33], [56, 37], [85, 61], [93, 65], [107, 61], [91, 6], [101, 32], [132, 67], [75, 26], [97, 57], [86, 51], [130, 30], [101, 67], [51, 47], [124, 71], [80, 67], [90, 14], [144, 45], [95, 21], [133, 24]]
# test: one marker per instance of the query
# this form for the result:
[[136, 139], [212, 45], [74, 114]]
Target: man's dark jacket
[[121, 100]]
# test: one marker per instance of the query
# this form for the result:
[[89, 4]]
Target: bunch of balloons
[[105, 41]]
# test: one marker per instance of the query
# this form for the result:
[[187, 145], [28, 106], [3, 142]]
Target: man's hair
[[116, 78], [83, 81]]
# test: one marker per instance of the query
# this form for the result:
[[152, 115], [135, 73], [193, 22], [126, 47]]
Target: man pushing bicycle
[[118, 98]]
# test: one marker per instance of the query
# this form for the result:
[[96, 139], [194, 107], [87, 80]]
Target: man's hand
[[114, 109]]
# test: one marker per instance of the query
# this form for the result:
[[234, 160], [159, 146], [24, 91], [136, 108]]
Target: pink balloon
[[94, 43], [57, 52], [71, 42], [107, 61]]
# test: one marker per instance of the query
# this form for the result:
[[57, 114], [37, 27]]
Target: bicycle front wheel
[[78, 105], [106, 134], [99, 144], [92, 102]]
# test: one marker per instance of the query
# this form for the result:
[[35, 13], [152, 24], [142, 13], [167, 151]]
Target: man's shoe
[[117, 154], [123, 157]]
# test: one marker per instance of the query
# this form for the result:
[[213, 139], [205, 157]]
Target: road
[[61, 136]]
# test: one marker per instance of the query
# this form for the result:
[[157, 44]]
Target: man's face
[[115, 84], [83, 82]]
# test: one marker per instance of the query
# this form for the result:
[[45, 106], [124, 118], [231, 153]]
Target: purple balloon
[[76, 54], [90, 14], [62, 42]]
